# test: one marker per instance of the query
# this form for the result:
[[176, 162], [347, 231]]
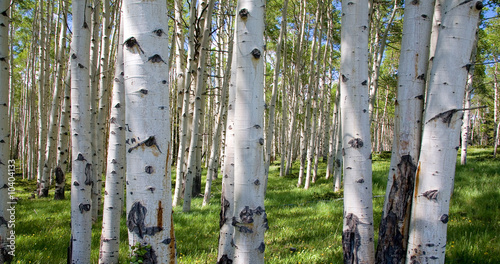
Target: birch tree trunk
[[413, 66], [272, 104], [6, 165], [81, 187], [147, 118], [183, 137], [467, 104], [357, 236], [226, 244], [212, 168], [194, 145], [63, 143], [116, 164], [249, 217], [442, 121]]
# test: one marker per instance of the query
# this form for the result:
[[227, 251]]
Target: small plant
[[139, 253]]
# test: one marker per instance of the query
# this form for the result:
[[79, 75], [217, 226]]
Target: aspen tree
[[116, 163], [147, 117], [249, 218], [194, 145], [63, 142], [81, 182], [272, 105], [6, 166], [226, 243], [413, 65], [357, 236], [184, 122], [469, 89], [296, 83], [441, 131], [212, 169]]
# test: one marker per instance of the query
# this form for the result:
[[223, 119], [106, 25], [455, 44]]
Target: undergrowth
[[305, 225]]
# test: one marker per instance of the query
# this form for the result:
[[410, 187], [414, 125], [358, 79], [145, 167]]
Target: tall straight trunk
[[42, 104], [272, 104], [441, 132], [94, 87], [312, 95], [357, 236], [147, 114], [184, 131], [54, 114], [377, 62], [413, 66], [467, 104], [198, 108], [81, 187], [212, 167], [116, 164], [296, 83], [63, 142], [103, 96], [6, 165], [249, 218]]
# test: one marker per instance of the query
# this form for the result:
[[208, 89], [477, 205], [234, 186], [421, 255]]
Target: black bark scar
[[151, 141]]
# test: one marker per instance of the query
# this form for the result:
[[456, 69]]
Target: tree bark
[[442, 121], [147, 118], [116, 164], [81, 203], [249, 217], [357, 236], [413, 66]]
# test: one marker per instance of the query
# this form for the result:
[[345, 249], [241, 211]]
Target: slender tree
[[147, 116], [413, 65], [441, 132], [81, 204], [116, 164], [357, 237]]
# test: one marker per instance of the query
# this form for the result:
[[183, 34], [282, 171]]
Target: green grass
[[305, 225]]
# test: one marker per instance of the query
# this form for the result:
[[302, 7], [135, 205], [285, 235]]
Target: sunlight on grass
[[305, 225]]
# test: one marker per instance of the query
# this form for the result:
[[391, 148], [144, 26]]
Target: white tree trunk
[[249, 217], [6, 165], [195, 146], [81, 204], [442, 121], [63, 143], [357, 236], [183, 137], [147, 115], [226, 244], [412, 71], [116, 164], [214, 155]]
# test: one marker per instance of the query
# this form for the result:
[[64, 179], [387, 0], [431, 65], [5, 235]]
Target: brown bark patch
[[393, 229], [159, 218]]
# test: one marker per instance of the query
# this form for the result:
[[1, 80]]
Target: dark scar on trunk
[[84, 207], [225, 260], [351, 239], [151, 141], [356, 143], [225, 205], [132, 44], [88, 174], [135, 221], [156, 59]]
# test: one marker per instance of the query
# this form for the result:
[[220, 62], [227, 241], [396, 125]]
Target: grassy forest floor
[[305, 225]]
